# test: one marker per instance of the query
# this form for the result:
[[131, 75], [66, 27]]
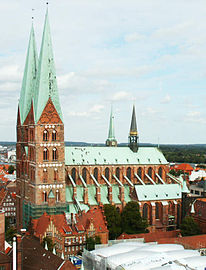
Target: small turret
[[133, 134], [111, 141]]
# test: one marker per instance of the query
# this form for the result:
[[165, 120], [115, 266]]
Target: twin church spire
[[40, 85], [39, 81], [133, 134]]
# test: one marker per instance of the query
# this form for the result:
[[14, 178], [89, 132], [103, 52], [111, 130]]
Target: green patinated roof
[[29, 78], [111, 135], [69, 194], [92, 195], [80, 193], [115, 194], [104, 194], [46, 77], [112, 156], [126, 194], [158, 192]]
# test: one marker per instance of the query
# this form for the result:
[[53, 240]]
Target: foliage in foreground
[[189, 227], [130, 221], [113, 221], [91, 242]]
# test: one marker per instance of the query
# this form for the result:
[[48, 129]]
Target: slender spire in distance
[[46, 86], [29, 77], [111, 141], [133, 134], [133, 126]]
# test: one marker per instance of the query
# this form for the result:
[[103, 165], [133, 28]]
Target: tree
[[113, 219], [91, 242], [49, 241], [132, 222], [11, 169], [10, 231], [189, 227]]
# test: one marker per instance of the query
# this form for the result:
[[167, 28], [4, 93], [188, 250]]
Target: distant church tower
[[40, 136], [111, 141], [133, 134]]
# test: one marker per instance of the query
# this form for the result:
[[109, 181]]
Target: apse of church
[[55, 178]]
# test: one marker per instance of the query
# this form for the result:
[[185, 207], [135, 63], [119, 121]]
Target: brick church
[[55, 178]]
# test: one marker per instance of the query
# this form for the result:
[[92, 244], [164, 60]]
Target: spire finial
[[133, 134], [111, 141], [32, 18]]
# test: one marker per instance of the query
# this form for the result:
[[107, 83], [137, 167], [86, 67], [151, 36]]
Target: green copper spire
[[111, 141], [29, 78], [46, 77], [133, 134]]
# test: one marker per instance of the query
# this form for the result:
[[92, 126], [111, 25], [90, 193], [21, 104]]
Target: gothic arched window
[[45, 135], [84, 174], [117, 172], [160, 172], [44, 175], [54, 135], [74, 174], [145, 211], [150, 172], [139, 172], [54, 154], [129, 173], [157, 210], [55, 174], [107, 173], [45, 154], [96, 174]]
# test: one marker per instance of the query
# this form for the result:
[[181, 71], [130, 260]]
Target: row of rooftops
[[69, 224]]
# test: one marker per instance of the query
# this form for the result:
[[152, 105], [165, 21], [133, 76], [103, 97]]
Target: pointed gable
[[29, 78], [46, 86]]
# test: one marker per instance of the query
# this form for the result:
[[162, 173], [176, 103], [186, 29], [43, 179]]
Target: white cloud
[[121, 95], [195, 117], [166, 99], [93, 111], [132, 37]]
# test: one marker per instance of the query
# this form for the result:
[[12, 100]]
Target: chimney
[[2, 230]]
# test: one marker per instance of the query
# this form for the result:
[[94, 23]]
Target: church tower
[[133, 134], [40, 136], [111, 141]]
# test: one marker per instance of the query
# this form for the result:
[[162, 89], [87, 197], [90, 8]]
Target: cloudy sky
[[120, 52]]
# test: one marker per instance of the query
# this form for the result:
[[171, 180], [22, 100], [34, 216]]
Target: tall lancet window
[[54, 135], [45, 154], [57, 195], [54, 154], [55, 174], [45, 135]]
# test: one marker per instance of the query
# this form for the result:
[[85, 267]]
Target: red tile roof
[[96, 216], [150, 237], [192, 242], [184, 167]]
